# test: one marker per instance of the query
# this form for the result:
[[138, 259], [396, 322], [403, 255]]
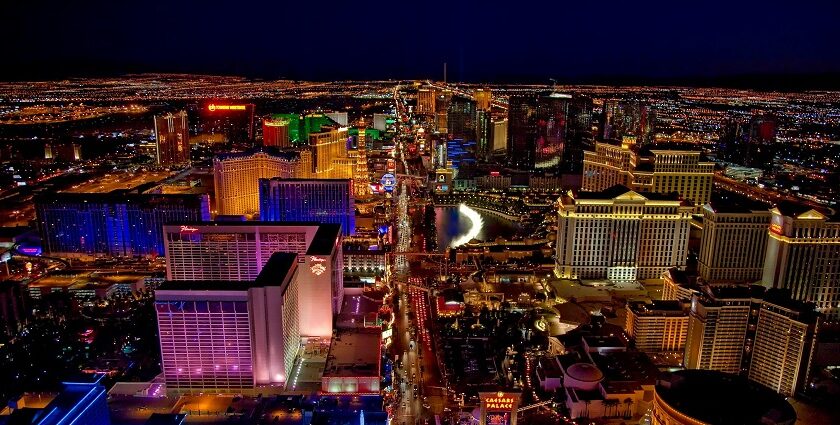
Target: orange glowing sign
[[317, 269], [775, 228], [213, 107], [499, 403], [316, 266]]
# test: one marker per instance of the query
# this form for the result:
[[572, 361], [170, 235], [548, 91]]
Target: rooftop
[[354, 353], [723, 399], [603, 341], [585, 372], [729, 202], [56, 408], [720, 292], [9, 233], [324, 240], [657, 308], [287, 154], [167, 419], [119, 196], [618, 190], [659, 148], [78, 278], [119, 181], [273, 274], [626, 366]]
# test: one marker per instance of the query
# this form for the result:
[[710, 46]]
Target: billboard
[[388, 181]]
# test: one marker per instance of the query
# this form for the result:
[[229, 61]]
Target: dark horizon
[[742, 44], [829, 81]]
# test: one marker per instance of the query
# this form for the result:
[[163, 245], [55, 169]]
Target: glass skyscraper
[[537, 131]]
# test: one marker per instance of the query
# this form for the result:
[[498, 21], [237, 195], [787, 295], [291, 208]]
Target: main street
[[418, 376]]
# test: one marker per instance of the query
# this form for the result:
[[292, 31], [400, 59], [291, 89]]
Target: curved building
[[699, 397], [585, 376]]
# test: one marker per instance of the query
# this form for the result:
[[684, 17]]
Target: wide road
[[413, 325]]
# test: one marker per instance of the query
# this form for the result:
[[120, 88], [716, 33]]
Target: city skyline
[[448, 213]]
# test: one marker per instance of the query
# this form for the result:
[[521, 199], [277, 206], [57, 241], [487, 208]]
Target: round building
[[700, 397]]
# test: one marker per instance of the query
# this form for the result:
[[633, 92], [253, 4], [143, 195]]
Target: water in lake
[[457, 225]]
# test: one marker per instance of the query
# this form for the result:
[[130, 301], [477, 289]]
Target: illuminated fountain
[[476, 224]]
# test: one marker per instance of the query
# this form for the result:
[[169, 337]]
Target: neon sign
[[188, 229], [499, 403], [775, 228], [213, 107]]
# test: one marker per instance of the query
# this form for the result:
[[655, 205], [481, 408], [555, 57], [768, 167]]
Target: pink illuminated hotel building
[[223, 336], [237, 251], [240, 298]]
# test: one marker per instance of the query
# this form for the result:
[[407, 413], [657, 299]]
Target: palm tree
[[628, 402], [611, 404], [586, 408]]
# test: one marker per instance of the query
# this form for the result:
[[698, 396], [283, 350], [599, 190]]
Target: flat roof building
[[734, 239], [657, 326], [82, 401], [647, 169], [318, 200], [757, 333], [236, 177], [117, 223], [353, 362], [222, 336], [237, 251], [620, 235], [693, 397], [802, 256], [172, 139]]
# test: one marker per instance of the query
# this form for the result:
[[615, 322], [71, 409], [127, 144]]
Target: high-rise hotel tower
[[620, 235]]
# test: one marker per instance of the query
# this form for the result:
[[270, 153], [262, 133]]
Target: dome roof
[[584, 372]]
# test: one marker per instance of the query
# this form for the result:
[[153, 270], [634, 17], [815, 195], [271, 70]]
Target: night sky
[[574, 41]]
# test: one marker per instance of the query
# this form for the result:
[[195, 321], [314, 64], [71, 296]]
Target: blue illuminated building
[[459, 150], [350, 409], [328, 201], [118, 223], [82, 401]]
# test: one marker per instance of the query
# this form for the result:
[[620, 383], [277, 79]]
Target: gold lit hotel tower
[[236, 177], [648, 170], [361, 177], [620, 235], [803, 256]]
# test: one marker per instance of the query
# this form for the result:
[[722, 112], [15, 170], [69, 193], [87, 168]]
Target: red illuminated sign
[[213, 107], [188, 229], [775, 228]]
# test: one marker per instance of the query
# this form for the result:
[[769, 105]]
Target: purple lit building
[[227, 336], [238, 251]]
